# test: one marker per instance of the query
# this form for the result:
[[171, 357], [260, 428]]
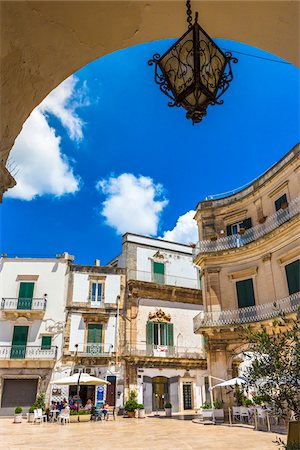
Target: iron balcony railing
[[236, 240], [163, 351], [249, 314], [12, 304], [27, 352], [95, 350], [164, 279]]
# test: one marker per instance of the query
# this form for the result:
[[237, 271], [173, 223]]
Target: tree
[[275, 368]]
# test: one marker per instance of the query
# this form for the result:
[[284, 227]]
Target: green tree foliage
[[275, 369]]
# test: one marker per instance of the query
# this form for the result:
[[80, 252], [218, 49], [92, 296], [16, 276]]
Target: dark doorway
[[85, 393], [160, 394], [19, 393], [111, 391], [187, 396]]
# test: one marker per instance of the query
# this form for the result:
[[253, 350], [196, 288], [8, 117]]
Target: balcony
[[95, 350], [27, 356], [163, 355], [164, 279], [252, 234], [15, 307], [246, 315]]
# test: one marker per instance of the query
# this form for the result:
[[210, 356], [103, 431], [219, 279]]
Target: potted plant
[[168, 409], [284, 205], [131, 405], [241, 231], [219, 410], [30, 415], [207, 411], [74, 415], [262, 219], [84, 415], [141, 411], [214, 237], [18, 414], [40, 401]]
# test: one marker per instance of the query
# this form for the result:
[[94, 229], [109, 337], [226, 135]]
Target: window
[[94, 335], [235, 227], [245, 293], [292, 271], [19, 342], [97, 292], [25, 295], [46, 342], [158, 272], [280, 201], [160, 333]]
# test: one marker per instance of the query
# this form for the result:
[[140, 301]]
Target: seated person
[[105, 409], [88, 405], [60, 406]]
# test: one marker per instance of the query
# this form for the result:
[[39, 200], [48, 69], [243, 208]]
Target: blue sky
[[105, 154]]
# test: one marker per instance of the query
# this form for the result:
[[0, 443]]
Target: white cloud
[[41, 166], [185, 230], [133, 204]]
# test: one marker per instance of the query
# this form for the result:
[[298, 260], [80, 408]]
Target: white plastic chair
[[42, 416], [244, 413], [64, 416], [36, 418], [236, 413]]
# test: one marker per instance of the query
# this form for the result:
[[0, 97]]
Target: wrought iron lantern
[[194, 72]]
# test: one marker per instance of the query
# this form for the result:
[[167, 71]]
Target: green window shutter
[[46, 342], [19, 342], [94, 333], [150, 332], [293, 276], [170, 332], [158, 272], [25, 295], [245, 293]]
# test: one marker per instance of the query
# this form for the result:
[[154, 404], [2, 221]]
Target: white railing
[[27, 352], [236, 240], [163, 351], [11, 304], [249, 314], [164, 279], [95, 350]]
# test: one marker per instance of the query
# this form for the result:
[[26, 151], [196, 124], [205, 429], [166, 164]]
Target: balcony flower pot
[[284, 205], [214, 238], [84, 416], [262, 219], [141, 411], [168, 409], [241, 231], [18, 415]]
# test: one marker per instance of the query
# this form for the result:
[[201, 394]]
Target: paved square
[[132, 434]]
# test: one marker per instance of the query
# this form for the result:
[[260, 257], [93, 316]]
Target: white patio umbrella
[[232, 382], [81, 379]]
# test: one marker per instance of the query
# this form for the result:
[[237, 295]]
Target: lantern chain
[[189, 14]]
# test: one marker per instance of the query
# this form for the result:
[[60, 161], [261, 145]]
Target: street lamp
[[194, 72]]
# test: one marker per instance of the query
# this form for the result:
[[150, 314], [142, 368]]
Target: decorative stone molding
[[27, 277], [98, 317], [159, 316], [278, 189], [288, 257], [236, 216], [246, 273], [267, 257]]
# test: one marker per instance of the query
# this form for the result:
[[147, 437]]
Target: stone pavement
[[134, 434]]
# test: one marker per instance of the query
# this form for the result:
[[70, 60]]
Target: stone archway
[[44, 42]]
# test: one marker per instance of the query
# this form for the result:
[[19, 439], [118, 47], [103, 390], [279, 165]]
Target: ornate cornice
[[159, 316]]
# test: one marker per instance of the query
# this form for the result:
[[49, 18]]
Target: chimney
[[97, 263]]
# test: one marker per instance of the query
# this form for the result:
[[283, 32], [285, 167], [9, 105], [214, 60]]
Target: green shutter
[[25, 295], [46, 342], [150, 332], [245, 293], [293, 276], [19, 342], [94, 333], [158, 273], [170, 339]]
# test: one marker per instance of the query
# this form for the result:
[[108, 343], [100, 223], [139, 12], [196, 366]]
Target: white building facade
[[164, 359], [91, 336], [33, 294]]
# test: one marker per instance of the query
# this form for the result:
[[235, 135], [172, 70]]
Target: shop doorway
[[187, 396], [111, 391], [160, 393], [85, 393]]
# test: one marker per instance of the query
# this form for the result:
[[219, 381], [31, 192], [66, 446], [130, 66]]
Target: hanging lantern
[[194, 72]]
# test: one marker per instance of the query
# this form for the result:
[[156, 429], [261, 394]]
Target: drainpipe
[[117, 329]]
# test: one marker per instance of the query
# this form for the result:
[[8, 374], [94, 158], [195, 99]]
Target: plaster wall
[[81, 287], [52, 280], [182, 315]]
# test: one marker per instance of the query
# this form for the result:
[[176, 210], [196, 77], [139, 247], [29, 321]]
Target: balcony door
[[158, 273], [25, 295], [246, 298], [19, 342], [292, 271], [160, 338], [94, 338]]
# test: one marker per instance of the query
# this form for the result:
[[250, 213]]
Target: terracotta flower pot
[[214, 238], [284, 205], [262, 219], [241, 231], [130, 414]]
